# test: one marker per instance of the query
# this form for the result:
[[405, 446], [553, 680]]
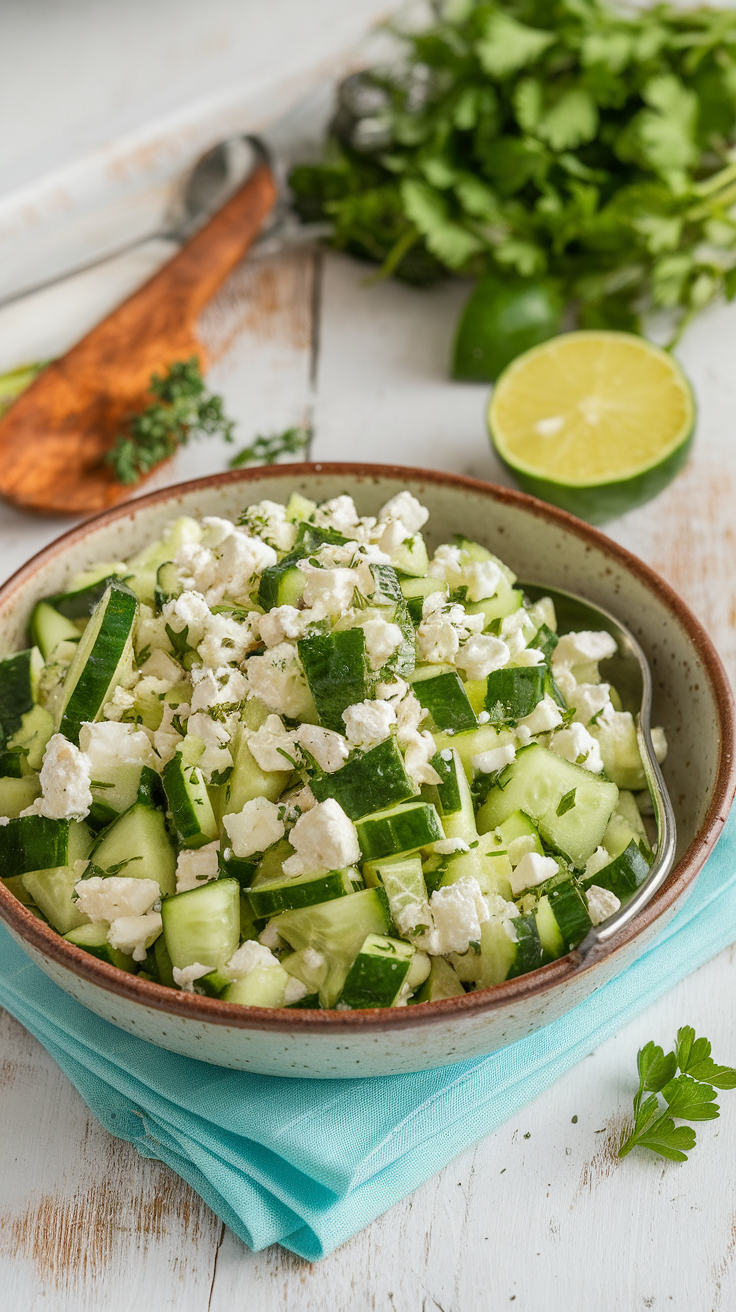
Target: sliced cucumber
[[337, 929], [263, 987], [473, 743], [389, 598], [114, 789], [402, 828], [13, 764], [93, 939], [33, 842], [528, 951], [443, 695], [19, 675], [377, 973], [337, 671], [188, 802], [138, 847], [143, 567], [16, 795], [624, 874], [203, 924], [512, 693], [504, 602], [247, 779], [442, 982], [268, 900], [454, 800], [32, 737], [402, 879], [102, 660], [52, 891], [49, 627], [569, 909], [550, 935], [80, 603], [371, 781], [282, 584], [299, 508], [168, 585], [416, 589], [411, 557]]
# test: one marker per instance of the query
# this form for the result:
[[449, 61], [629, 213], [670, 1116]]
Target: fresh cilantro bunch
[[561, 143], [688, 1096], [182, 409]]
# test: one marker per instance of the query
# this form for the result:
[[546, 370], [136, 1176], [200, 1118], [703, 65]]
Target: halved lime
[[596, 422]]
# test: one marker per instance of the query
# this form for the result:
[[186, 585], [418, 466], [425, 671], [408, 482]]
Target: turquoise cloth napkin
[[308, 1163]]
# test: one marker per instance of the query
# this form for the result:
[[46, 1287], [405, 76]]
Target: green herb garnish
[[688, 1096], [267, 450], [182, 409]]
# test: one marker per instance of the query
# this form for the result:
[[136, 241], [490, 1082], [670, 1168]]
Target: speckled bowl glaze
[[692, 700]]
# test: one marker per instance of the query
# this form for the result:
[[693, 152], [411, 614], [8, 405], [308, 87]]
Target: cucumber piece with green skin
[[513, 692], [518, 825], [411, 557], [143, 566], [504, 602], [268, 900], [528, 951], [17, 794], [389, 596], [263, 987], [13, 764], [442, 982], [16, 886], [34, 842], [52, 891], [203, 924], [416, 589], [93, 939], [163, 962], [269, 869], [102, 660], [138, 846], [81, 603], [548, 929], [247, 779], [36, 728], [472, 743], [444, 696], [623, 875], [454, 800], [308, 1003], [242, 868], [338, 673], [19, 675], [372, 781], [114, 789], [403, 828], [188, 802], [168, 585], [377, 973], [282, 584], [545, 640], [336, 929], [536, 782], [569, 909], [299, 508], [477, 552], [49, 627], [402, 879], [301, 965]]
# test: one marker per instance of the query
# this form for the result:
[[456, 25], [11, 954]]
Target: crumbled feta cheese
[[338, 513], [187, 976], [269, 937], [215, 530], [215, 737], [481, 578], [255, 828], [394, 534], [659, 743], [287, 622], [447, 846], [278, 679], [409, 714], [120, 702], [368, 723], [323, 839], [329, 749], [242, 559], [576, 744], [533, 869], [273, 747], [496, 758], [545, 716], [114, 896], [447, 564], [579, 648], [392, 692], [381, 640], [107, 743], [268, 520], [166, 738], [453, 917], [197, 567], [405, 507], [481, 654], [162, 666], [189, 611], [294, 991], [226, 640], [517, 629], [297, 804], [64, 779], [438, 641], [251, 955], [419, 748], [529, 657], [196, 866], [135, 934], [598, 861], [221, 687], [329, 589], [589, 699], [601, 903]]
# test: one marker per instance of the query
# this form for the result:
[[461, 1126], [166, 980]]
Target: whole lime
[[503, 318]]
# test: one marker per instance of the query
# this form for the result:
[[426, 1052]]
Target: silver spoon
[[629, 672]]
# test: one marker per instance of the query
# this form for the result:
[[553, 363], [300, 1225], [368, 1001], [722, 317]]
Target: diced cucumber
[[454, 800], [302, 965], [411, 557], [80, 602], [390, 602], [548, 929], [569, 909], [16, 795], [536, 782], [504, 602], [336, 929], [93, 939], [528, 953], [33, 842], [168, 585], [143, 567], [299, 507], [14, 764], [203, 924], [545, 641], [282, 584], [248, 780], [270, 867], [402, 879], [49, 627], [442, 982], [371, 781], [443, 695], [473, 743], [337, 671], [236, 867], [102, 660], [32, 737], [497, 955], [188, 802], [52, 891], [114, 789], [19, 675], [138, 847], [163, 962], [513, 692], [263, 987], [269, 900], [624, 874], [377, 973], [416, 589], [625, 826], [402, 828]]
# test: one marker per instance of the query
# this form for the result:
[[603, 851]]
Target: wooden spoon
[[54, 437]]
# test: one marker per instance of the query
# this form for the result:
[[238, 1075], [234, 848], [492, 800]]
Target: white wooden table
[[541, 1214]]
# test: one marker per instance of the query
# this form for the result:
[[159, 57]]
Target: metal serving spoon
[[629, 672]]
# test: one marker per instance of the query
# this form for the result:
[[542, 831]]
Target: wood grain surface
[[541, 1216]]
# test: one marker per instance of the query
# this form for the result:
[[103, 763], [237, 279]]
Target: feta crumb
[[517, 629], [481, 654], [481, 578], [329, 749], [323, 839], [589, 699], [250, 956], [454, 916], [166, 738], [219, 687], [135, 934], [330, 589], [188, 611], [65, 780], [438, 641], [242, 559], [447, 846], [530, 656], [160, 665], [269, 937], [419, 748], [533, 869], [392, 692], [297, 804], [338, 513], [599, 859], [186, 976], [197, 866], [545, 716], [368, 723], [601, 903], [120, 702], [226, 640], [447, 564], [287, 622], [405, 507], [268, 520], [216, 755], [255, 828], [496, 758], [577, 745], [278, 679], [273, 747], [381, 640], [107, 743], [295, 991], [114, 896], [579, 648]]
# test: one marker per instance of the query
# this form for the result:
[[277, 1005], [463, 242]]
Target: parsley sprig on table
[[268, 450], [545, 139], [688, 1096], [182, 409]]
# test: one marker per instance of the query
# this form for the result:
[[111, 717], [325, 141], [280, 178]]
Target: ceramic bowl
[[692, 700]]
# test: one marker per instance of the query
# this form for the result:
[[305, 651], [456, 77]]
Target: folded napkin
[[308, 1163]]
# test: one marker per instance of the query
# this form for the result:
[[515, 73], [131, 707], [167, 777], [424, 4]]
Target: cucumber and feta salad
[[298, 761]]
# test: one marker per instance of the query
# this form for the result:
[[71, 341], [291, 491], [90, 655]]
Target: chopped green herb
[[268, 450], [567, 802]]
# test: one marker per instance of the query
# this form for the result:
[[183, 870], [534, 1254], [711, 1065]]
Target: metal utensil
[[629, 672]]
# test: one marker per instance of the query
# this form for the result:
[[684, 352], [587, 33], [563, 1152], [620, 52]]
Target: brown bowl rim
[[212, 1010]]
